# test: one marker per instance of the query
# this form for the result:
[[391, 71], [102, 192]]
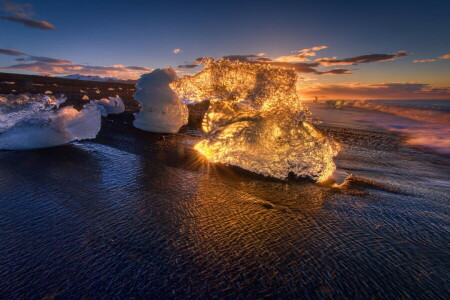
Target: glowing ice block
[[256, 120]]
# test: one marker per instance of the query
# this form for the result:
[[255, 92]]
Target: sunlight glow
[[256, 120]]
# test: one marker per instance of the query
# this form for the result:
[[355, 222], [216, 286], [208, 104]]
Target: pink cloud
[[424, 60], [395, 90], [56, 66]]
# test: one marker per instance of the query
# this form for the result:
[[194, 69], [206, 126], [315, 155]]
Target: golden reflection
[[240, 221], [256, 120]]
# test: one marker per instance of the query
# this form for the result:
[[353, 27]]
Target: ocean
[[424, 123], [423, 104]]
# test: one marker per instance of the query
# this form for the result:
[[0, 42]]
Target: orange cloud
[[395, 90], [301, 56], [424, 60], [445, 56], [56, 66]]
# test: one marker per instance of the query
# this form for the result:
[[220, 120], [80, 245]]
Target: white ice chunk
[[30, 122], [113, 105], [161, 109]]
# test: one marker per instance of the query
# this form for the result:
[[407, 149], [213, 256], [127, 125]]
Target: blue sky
[[145, 33]]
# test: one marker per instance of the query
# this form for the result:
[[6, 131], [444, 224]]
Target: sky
[[340, 49]]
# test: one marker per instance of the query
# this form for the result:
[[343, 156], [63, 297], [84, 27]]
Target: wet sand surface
[[136, 214]]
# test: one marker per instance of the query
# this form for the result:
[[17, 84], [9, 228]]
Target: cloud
[[362, 59], [24, 10], [196, 63], [402, 90], [445, 56], [11, 52], [187, 66], [176, 51], [136, 68], [30, 22], [118, 71], [301, 55], [424, 60], [336, 71], [55, 66], [30, 58], [43, 59], [23, 14]]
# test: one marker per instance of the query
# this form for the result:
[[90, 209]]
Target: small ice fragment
[[112, 105]]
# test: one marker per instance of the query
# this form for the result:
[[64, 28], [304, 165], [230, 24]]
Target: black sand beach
[[133, 214]]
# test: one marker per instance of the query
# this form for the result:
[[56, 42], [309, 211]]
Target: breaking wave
[[425, 123], [256, 120], [427, 115]]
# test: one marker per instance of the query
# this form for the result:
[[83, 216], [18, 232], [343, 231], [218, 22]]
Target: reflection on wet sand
[[140, 214]]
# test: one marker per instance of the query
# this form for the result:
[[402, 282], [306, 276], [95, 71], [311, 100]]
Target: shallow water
[[140, 215], [427, 127]]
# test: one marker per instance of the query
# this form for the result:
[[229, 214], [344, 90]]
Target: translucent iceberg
[[110, 106], [161, 109], [256, 121], [34, 121]]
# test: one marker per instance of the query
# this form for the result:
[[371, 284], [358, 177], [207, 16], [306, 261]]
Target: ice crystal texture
[[256, 120]]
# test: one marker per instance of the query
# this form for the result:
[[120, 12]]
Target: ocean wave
[[426, 115]]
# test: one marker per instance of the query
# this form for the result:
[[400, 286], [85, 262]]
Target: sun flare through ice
[[256, 120]]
